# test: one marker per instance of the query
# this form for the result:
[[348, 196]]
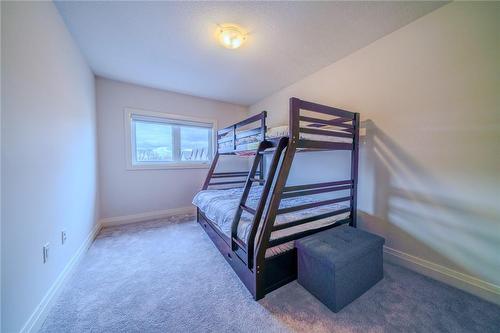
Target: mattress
[[252, 142], [279, 131], [220, 206]]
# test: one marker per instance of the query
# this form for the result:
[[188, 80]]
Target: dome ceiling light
[[231, 36]]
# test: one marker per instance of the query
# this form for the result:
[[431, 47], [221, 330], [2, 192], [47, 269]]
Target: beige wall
[[429, 96], [48, 157], [128, 192]]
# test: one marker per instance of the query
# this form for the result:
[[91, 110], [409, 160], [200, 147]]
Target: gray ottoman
[[338, 265]]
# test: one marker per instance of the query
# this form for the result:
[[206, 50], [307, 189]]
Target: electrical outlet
[[63, 237], [45, 253]]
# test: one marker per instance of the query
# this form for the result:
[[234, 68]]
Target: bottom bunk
[[219, 206], [216, 210]]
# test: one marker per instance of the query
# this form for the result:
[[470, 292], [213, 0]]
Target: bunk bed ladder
[[274, 203], [242, 249], [237, 244], [273, 167]]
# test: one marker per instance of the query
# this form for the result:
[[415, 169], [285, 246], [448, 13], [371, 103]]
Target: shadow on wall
[[401, 200]]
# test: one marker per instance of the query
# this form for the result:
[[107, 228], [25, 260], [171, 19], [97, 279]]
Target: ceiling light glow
[[231, 36]]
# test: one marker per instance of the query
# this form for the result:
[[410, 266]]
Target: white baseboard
[[465, 282], [159, 214], [35, 321]]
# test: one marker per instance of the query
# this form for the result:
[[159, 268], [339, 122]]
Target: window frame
[[131, 163]]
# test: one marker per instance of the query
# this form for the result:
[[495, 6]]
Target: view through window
[[153, 142], [156, 140]]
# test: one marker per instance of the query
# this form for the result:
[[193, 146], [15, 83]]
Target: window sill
[[172, 166]]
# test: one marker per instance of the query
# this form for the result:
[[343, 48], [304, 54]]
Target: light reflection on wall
[[406, 197]]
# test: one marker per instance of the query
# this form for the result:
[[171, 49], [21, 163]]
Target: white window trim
[[130, 165]]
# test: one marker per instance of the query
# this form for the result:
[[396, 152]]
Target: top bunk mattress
[[220, 206], [252, 142]]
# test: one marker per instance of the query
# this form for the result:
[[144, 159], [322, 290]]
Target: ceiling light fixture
[[231, 36]]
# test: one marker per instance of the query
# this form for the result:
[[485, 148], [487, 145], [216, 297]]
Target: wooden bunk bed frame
[[261, 274]]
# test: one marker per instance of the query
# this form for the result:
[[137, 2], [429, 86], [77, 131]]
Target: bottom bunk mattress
[[219, 206]]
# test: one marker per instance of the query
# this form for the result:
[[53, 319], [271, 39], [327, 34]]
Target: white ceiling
[[171, 45]]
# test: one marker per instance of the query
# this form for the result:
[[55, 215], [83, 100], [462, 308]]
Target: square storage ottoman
[[338, 265]]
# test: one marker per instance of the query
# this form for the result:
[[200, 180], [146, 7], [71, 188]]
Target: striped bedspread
[[220, 206]]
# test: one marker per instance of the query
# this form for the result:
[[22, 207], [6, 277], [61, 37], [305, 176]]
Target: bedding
[[252, 142], [279, 131], [220, 206]]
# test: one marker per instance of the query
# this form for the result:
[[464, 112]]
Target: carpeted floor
[[167, 276]]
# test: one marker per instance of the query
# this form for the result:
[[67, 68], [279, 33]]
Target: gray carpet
[[167, 276]]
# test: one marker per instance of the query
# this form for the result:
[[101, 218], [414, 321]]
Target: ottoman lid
[[339, 246]]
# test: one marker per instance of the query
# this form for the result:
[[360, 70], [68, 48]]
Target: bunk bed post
[[263, 130], [354, 170], [234, 137]]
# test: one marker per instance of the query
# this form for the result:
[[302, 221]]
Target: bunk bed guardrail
[[233, 133], [230, 135]]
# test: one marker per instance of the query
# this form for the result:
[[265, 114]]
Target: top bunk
[[311, 127]]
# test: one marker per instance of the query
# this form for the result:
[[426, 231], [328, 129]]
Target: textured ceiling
[[171, 45]]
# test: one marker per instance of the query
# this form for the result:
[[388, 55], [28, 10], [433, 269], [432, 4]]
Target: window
[[157, 140]]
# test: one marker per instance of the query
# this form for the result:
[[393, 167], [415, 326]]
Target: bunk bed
[[254, 220]]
